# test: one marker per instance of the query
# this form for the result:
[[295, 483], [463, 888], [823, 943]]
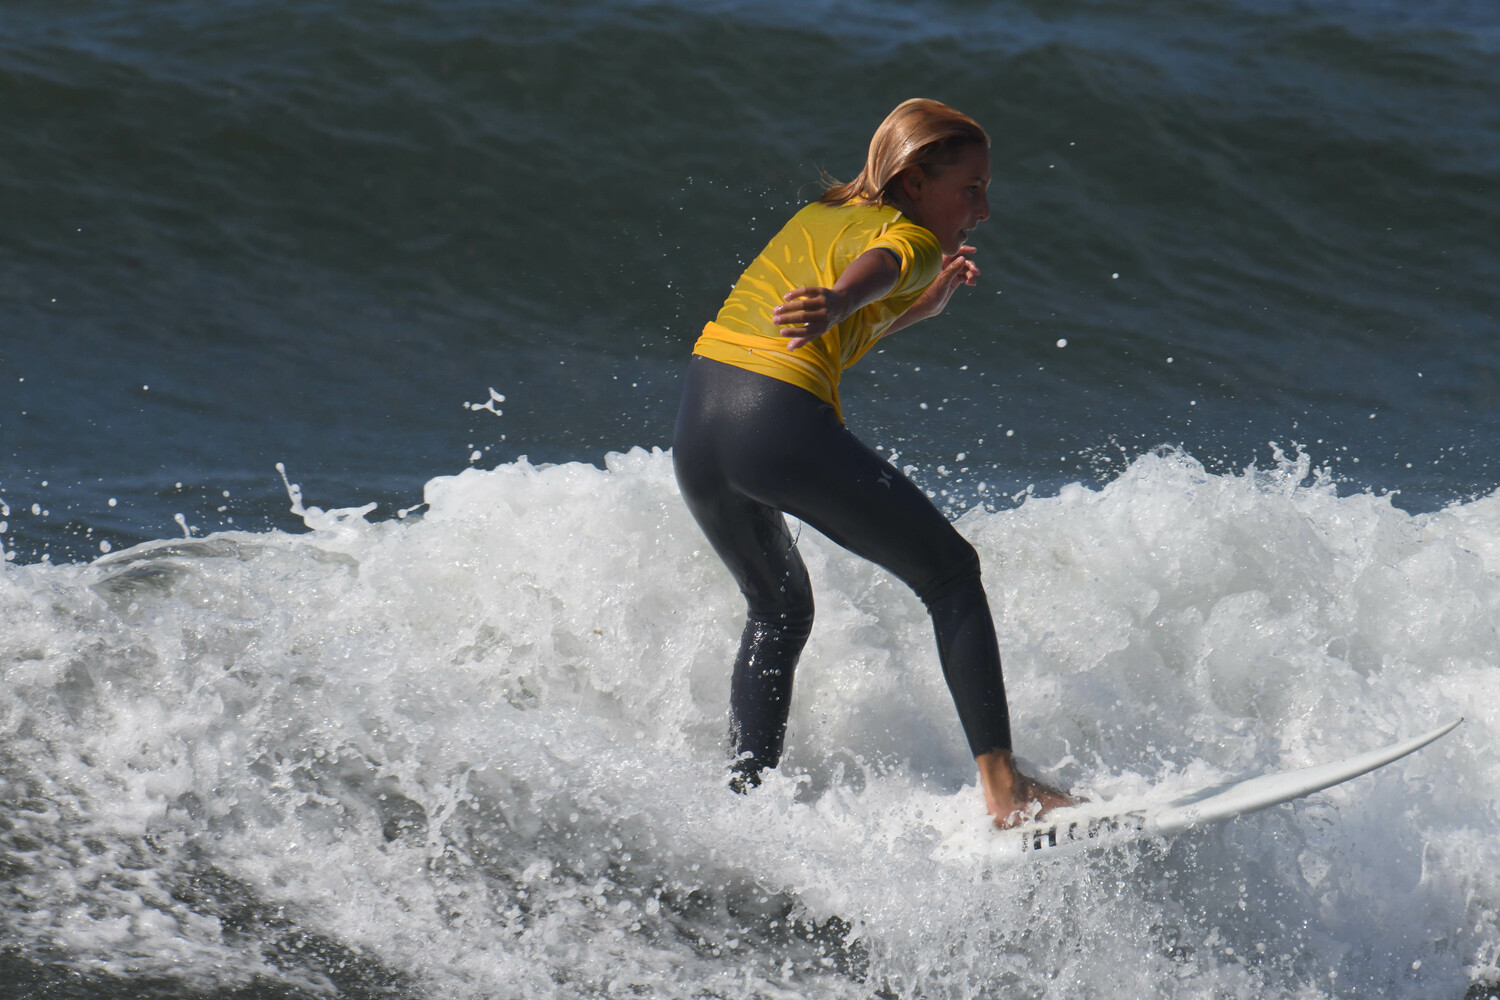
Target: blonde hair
[[919, 133]]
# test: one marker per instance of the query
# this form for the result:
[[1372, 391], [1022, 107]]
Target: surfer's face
[[951, 201]]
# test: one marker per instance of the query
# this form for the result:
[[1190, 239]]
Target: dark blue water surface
[[246, 233]]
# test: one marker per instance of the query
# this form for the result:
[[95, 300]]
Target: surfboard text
[[1082, 830]]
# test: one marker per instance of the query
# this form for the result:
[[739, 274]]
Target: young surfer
[[760, 432]]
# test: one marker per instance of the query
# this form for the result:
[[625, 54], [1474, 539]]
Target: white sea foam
[[480, 750]]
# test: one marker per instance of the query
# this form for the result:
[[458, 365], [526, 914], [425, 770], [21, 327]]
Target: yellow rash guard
[[813, 249]]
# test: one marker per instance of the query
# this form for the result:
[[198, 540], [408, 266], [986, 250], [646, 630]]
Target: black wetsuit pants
[[748, 447]]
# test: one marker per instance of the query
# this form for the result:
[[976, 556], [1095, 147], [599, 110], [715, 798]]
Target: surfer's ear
[[907, 187]]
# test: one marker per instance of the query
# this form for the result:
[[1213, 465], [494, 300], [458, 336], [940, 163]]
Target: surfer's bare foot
[[1013, 797]]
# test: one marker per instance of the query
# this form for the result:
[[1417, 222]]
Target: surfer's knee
[[786, 603], [957, 563]]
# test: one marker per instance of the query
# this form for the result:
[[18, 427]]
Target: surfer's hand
[[958, 269], [807, 313]]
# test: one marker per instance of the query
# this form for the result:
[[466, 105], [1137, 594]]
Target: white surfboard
[[1098, 823]]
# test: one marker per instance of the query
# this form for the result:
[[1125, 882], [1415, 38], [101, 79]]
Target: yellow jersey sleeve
[[813, 249]]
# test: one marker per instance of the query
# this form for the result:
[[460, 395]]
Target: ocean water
[[354, 640]]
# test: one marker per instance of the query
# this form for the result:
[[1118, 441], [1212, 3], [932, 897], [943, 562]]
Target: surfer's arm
[[956, 269], [807, 313]]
